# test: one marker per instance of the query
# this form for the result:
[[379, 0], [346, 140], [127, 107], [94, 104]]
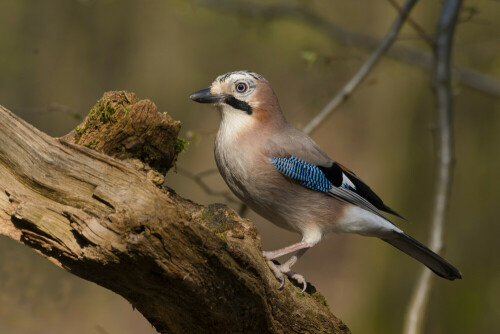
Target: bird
[[283, 175]]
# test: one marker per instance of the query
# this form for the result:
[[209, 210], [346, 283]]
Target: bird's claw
[[280, 271], [277, 273], [282, 285], [300, 279]]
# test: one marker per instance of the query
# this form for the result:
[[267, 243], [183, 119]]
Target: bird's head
[[242, 94]]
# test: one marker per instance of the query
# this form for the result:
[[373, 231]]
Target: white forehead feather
[[239, 75]]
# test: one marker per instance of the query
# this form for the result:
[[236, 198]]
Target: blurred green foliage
[[68, 52]]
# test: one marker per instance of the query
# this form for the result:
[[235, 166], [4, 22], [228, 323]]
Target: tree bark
[[92, 203]]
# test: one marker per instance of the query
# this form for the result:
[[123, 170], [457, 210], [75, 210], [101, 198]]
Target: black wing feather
[[335, 174]]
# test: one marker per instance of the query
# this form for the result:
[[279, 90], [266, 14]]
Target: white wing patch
[[346, 183]]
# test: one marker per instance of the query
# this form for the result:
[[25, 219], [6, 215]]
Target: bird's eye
[[241, 87]]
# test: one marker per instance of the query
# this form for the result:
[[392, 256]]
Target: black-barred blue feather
[[308, 175], [314, 178]]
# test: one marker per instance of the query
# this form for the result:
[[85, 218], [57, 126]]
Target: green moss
[[300, 295], [127, 99], [322, 299], [181, 145], [221, 235], [104, 112], [92, 144], [78, 133], [127, 110]]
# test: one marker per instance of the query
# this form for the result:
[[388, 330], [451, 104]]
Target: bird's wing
[[300, 159], [344, 178]]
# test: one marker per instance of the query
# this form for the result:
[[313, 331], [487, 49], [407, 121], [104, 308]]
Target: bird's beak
[[204, 96]]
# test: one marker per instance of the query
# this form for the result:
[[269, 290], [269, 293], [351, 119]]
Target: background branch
[[53, 107], [417, 27], [468, 77], [364, 70], [199, 179], [445, 159]]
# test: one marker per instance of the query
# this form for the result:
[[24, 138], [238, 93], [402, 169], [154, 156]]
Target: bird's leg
[[285, 268], [291, 261], [283, 251], [279, 270]]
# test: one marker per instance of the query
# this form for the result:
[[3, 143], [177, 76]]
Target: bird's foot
[[299, 278], [275, 269], [281, 270]]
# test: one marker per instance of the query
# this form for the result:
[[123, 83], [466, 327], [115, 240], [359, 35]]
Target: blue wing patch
[[308, 175], [333, 181]]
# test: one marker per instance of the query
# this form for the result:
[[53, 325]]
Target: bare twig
[[199, 180], [381, 49], [444, 161], [53, 107], [471, 78], [417, 27]]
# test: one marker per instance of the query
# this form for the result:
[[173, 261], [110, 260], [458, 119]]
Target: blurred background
[[57, 57]]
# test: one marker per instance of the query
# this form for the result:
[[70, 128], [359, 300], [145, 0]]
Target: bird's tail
[[419, 252]]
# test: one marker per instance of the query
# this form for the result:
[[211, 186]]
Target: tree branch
[[468, 77], [187, 268], [420, 31], [347, 90], [445, 159]]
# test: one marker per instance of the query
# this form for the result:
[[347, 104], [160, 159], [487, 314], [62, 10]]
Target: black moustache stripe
[[238, 104]]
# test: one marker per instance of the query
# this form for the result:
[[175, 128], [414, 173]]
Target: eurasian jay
[[283, 175]]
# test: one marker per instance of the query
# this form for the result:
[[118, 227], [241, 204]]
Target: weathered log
[[187, 268]]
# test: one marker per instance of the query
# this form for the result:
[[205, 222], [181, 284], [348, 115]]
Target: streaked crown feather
[[224, 77]]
